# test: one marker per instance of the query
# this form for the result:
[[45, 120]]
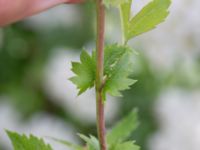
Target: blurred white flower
[[137, 5], [45, 125], [178, 113], [64, 92], [9, 119], [40, 125], [62, 16]]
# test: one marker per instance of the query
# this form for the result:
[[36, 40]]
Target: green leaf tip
[[128, 145], [22, 142], [84, 71], [123, 129], [145, 20], [92, 142], [66, 143]]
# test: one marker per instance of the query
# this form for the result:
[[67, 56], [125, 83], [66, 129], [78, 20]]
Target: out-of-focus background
[[36, 96]]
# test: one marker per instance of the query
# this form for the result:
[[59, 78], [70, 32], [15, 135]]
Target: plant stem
[[101, 130], [124, 40], [122, 26]]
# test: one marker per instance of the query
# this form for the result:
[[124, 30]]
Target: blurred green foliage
[[24, 53]]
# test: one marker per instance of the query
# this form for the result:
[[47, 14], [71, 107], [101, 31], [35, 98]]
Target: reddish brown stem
[[101, 122], [101, 130]]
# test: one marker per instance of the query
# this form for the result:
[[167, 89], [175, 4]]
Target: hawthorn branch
[[101, 130]]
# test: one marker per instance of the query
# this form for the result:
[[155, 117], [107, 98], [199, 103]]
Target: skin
[[15, 10]]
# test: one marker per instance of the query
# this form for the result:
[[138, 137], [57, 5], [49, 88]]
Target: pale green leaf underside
[[125, 14], [123, 129], [22, 142], [145, 20]]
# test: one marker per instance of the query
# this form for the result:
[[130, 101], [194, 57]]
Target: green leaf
[[129, 145], [118, 68], [149, 17], [68, 144], [92, 142], [22, 142], [85, 72], [112, 55], [123, 129]]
